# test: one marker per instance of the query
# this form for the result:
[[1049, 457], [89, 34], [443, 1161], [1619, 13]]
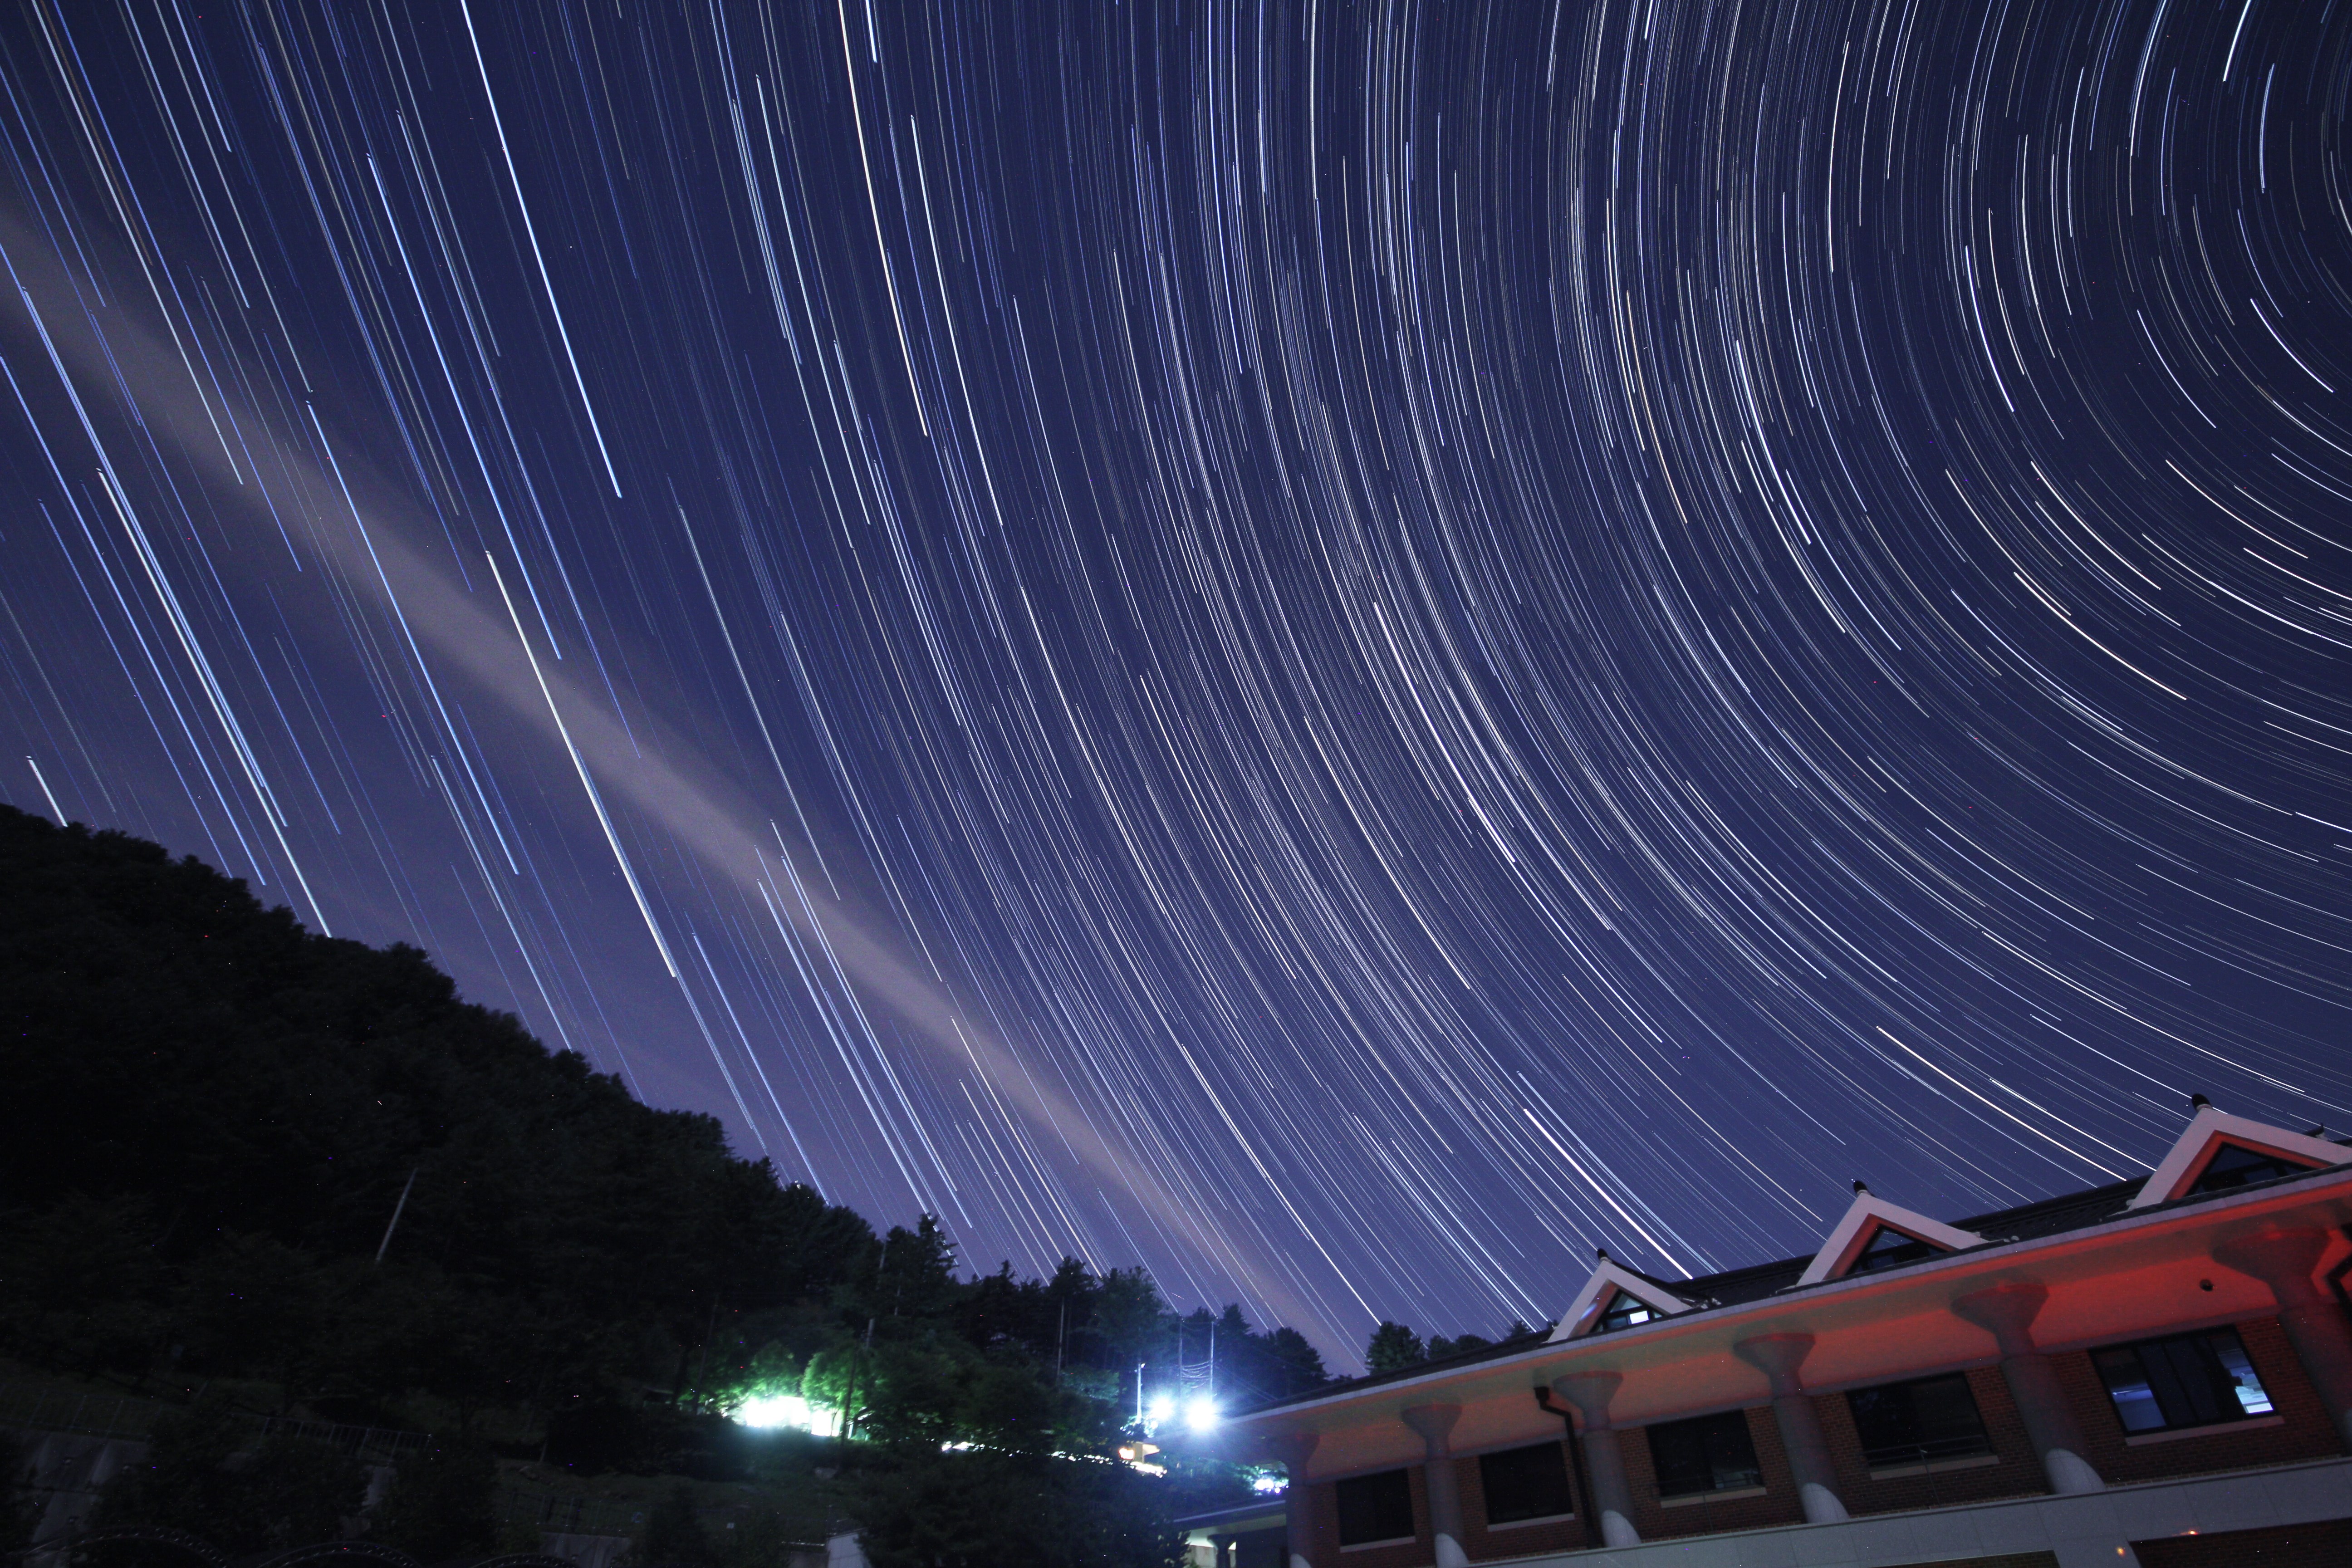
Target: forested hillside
[[211, 1114]]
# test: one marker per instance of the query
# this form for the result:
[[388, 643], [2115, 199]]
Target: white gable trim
[[2193, 1151], [1865, 1217], [1606, 1281]]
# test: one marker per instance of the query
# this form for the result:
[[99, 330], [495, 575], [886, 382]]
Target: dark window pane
[[2135, 1400], [1679, 1455], [1261, 1548], [1711, 1454], [1625, 1310], [1913, 1422], [2239, 1166], [1525, 1483], [2192, 1380], [1882, 1417], [1375, 1508], [2186, 1383], [1948, 1422], [1891, 1248]]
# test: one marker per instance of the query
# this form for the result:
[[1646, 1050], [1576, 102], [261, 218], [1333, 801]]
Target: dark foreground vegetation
[[210, 1115]]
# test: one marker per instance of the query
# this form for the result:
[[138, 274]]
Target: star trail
[[1345, 649]]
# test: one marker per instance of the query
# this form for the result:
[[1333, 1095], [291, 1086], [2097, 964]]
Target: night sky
[[1342, 649]]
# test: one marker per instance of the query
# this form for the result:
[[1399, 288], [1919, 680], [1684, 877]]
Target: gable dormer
[[1876, 1235], [1614, 1299], [2218, 1151]]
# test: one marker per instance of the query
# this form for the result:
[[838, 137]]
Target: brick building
[[2157, 1372]]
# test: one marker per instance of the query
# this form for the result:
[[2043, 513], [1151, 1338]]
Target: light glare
[[775, 1412]]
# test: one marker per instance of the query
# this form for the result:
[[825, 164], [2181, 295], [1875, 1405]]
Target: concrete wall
[[67, 1468]]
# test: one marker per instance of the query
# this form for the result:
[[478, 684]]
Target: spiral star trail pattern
[[1343, 650]]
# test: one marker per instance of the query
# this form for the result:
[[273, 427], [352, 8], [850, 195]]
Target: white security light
[[776, 1411]]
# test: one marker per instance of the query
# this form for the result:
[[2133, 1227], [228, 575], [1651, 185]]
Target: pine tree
[[1393, 1346]]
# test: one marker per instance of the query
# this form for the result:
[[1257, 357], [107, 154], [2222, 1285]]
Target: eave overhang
[[2107, 1281]]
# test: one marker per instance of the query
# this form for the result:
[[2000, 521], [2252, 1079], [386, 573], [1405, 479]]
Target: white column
[[1292, 1450], [1778, 1357], [1612, 1495], [2315, 1324], [2007, 1312], [1434, 1425]]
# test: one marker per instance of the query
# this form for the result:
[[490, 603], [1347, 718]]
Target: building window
[[1711, 1454], [1625, 1310], [1918, 1423], [1261, 1548], [2235, 1165], [1525, 1483], [1891, 1248], [2194, 1379], [1376, 1507]]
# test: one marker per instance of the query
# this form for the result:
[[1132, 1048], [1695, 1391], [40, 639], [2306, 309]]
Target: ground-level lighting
[[777, 1412]]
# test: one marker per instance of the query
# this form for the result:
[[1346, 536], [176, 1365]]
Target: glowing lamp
[[776, 1411]]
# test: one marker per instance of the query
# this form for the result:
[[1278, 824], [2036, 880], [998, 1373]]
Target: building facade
[[2153, 1374]]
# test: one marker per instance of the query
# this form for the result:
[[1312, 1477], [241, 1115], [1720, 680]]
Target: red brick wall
[[1513, 1541], [1779, 1505], [2326, 1545], [2307, 1433], [2018, 1472]]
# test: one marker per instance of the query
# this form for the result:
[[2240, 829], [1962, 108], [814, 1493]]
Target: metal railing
[[46, 1409], [378, 1443], [1928, 1451]]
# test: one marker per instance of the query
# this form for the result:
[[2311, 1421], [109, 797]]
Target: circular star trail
[[1343, 650]]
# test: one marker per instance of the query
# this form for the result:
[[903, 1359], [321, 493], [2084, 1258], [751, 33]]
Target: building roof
[[1259, 1513], [1736, 1286]]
